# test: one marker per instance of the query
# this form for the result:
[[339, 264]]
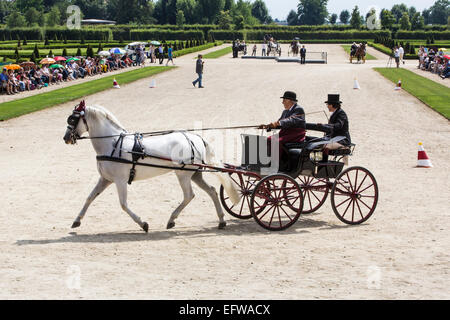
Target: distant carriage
[[273, 48], [294, 47], [358, 52]]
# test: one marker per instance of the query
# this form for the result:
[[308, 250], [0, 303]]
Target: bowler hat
[[290, 95], [333, 99]]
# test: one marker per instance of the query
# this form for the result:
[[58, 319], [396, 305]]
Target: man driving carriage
[[293, 127], [292, 124]]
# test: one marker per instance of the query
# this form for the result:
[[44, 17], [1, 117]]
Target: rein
[[161, 133]]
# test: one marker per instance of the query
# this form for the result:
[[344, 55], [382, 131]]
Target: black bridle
[[73, 121]]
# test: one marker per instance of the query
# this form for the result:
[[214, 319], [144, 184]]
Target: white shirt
[[401, 51]]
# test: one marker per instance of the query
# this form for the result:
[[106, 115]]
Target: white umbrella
[[104, 53]]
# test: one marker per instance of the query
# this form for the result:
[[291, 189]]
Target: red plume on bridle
[[81, 106]]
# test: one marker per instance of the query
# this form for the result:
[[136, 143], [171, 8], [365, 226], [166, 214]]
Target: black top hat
[[333, 99], [290, 95]]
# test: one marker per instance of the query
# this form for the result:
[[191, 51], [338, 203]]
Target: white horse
[[104, 131]]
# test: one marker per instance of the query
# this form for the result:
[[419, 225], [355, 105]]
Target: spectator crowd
[[30, 76], [434, 60]]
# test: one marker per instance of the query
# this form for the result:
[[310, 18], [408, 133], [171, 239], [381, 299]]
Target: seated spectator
[[4, 78]]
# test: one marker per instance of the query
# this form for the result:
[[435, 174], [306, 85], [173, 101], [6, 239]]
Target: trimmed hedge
[[60, 33], [137, 35], [423, 35], [258, 35]]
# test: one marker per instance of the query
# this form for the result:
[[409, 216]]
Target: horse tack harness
[[138, 153]]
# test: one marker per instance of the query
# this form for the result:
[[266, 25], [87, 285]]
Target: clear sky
[[279, 9]]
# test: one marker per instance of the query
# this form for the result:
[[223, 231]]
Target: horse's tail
[[224, 178]]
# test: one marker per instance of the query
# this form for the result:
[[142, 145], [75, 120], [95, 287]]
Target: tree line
[[314, 12], [40, 13]]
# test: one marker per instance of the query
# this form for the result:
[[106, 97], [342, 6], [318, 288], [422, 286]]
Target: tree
[[32, 16], [229, 4], [239, 23], [344, 16], [89, 51], [355, 20], [398, 10], [405, 24], [210, 9], [417, 22], [23, 5], [411, 12], [260, 12], [312, 12], [292, 18], [5, 10], [224, 20], [190, 10], [92, 9], [333, 18], [36, 51], [180, 18], [387, 19], [243, 8], [440, 12], [426, 14], [53, 17], [15, 20]]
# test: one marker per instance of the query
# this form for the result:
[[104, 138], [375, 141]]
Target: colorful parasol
[[47, 61], [12, 67], [53, 66], [60, 59]]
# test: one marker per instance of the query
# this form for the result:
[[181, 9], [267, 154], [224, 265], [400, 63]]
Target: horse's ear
[[81, 106]]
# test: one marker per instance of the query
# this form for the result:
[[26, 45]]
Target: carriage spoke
[[349, 182], [279, 217], [343, 202], [360, 212], [347, 208], [353, 210], [287, 215], [366, 188], [360, 185], [356, 179], [309, 200], [365, 204]]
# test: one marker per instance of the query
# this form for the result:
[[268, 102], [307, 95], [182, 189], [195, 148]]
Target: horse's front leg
[[102, 184], [122, 191]]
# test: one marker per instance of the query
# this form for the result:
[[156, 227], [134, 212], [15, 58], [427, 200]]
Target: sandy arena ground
[[402, 252]]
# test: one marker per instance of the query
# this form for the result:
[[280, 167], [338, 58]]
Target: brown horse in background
[[295, 48], [360, 53]]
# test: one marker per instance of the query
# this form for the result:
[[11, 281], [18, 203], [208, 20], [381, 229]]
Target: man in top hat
[[338, 125], [291, 123]]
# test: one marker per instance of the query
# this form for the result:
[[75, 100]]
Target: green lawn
[[20, 107], [431, 93], [347, 49], [218, 53]]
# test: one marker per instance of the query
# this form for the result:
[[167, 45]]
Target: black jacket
[[303, 52], [339, 126], [293, 118], [199, 66]]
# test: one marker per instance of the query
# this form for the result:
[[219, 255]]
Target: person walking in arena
[[199, 70]]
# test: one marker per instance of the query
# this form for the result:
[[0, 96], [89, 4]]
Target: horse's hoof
[[145, 227], [222, 225], [76, 224], [170, 225]]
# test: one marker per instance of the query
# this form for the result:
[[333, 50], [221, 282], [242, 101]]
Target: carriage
[[273, 48], [242, 47], [276, 201], [275, 196]]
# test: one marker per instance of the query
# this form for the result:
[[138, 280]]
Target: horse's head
[[76, 127]]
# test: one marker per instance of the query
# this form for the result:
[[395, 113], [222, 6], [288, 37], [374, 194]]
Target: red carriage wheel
[[277, 202], [315, 192], [245, 185], [354, 195]]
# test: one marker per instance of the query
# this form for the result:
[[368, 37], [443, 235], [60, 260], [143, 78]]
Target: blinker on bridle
[[74, 119]]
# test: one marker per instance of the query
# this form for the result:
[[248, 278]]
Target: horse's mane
[[98, 112]]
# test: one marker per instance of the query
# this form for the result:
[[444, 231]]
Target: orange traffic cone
[[356, 85], [399, 85], [422, 159], [115, 84]]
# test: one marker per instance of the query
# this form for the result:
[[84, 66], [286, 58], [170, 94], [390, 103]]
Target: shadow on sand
[[233, 228]]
